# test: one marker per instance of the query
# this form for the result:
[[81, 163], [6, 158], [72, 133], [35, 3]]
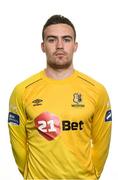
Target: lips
[[59, 53]]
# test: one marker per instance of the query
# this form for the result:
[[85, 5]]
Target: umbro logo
[[37, 102]]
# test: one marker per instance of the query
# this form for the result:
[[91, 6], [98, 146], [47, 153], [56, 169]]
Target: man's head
[[58, 19], [59, 44]]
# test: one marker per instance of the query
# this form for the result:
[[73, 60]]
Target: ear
[[43, 46], [76, 47]]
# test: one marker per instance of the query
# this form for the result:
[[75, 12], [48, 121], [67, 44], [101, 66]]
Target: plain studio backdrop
[[21, 23]]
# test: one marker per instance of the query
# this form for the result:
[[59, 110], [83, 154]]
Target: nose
[[59, 44]]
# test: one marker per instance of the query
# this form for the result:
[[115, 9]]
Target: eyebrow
[[52, 36]]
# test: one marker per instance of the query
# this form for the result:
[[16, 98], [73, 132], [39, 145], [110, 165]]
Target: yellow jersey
[[60, 129]]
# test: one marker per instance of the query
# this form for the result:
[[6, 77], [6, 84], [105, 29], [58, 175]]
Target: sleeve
[[101, 132], [17, 131]]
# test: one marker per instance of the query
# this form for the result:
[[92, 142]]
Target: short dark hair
[[58, 19]]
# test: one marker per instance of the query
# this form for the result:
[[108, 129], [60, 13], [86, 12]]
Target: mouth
[[59, 54]]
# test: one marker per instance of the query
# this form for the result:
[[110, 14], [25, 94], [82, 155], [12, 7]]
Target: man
[[60, 119]]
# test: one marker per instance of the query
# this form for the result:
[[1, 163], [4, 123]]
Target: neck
[[59, 73]]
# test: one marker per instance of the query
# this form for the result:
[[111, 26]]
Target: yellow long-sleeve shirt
[[60, 129]]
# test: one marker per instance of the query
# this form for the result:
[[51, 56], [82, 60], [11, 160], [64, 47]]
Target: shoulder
[[91, 83], [20, 88]]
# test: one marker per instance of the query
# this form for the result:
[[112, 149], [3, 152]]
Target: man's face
[[59, 45]]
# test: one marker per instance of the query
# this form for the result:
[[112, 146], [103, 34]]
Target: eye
[[51, 40], [67, 39]]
